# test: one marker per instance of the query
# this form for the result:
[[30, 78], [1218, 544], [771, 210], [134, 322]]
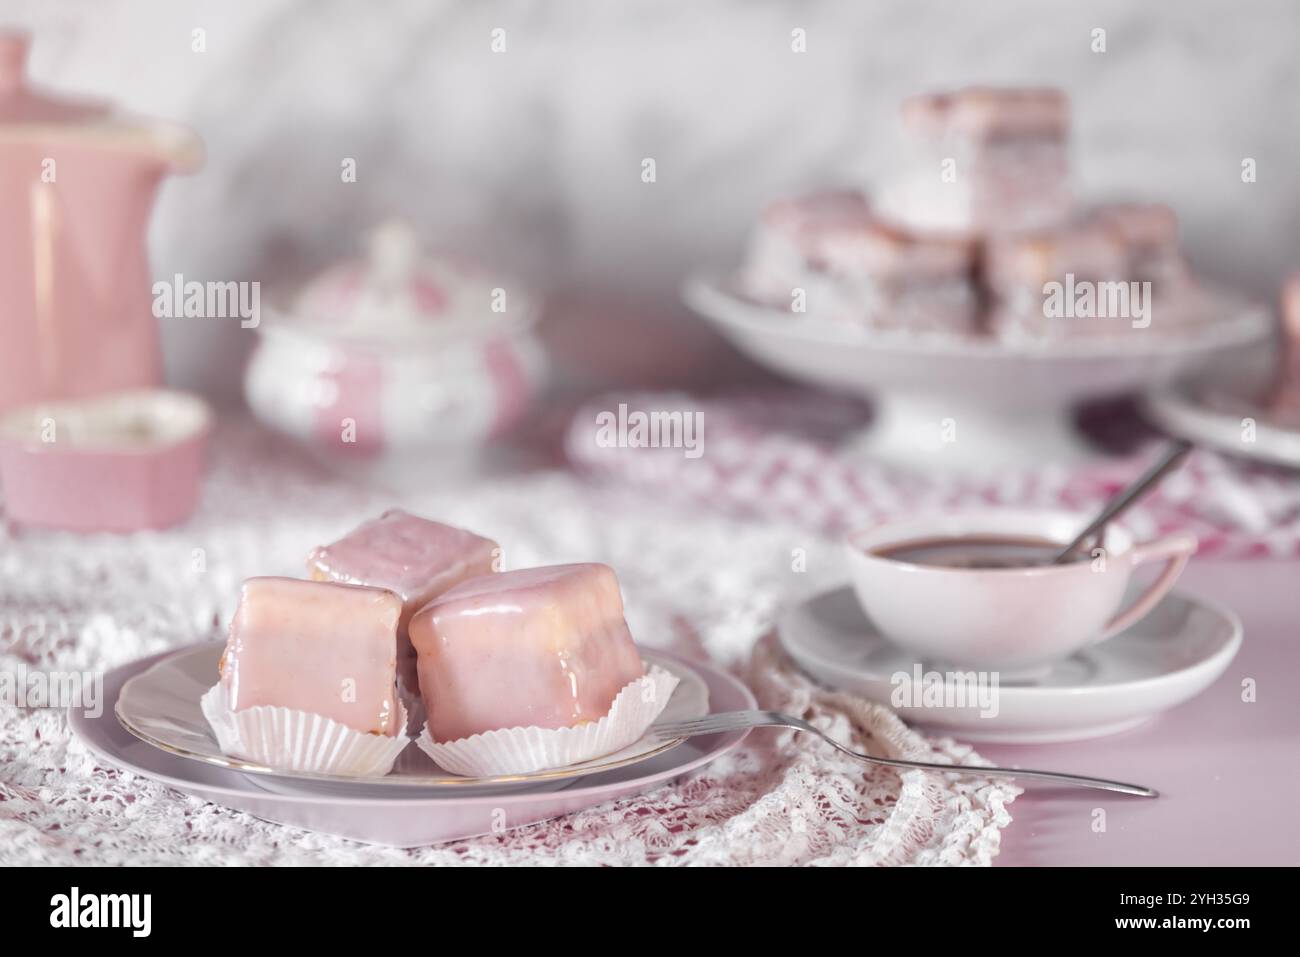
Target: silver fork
[[740, 720]]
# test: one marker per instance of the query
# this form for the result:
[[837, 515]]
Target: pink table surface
[[1228, 771]]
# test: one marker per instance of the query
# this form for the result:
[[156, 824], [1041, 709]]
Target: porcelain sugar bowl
[[399, 365]]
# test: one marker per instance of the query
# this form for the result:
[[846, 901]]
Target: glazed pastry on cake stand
[[974, 301]]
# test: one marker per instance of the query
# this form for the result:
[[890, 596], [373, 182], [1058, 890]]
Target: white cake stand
[[968, 405]]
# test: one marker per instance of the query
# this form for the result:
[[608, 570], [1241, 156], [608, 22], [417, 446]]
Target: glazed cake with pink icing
[[962, 236], [417, 558], [414, 557], [323, 648], [540, 647], [1016, 268], [854, 266], [785, 250], [1007, 151], [890, 278], [1109, 243], [1149, 232]]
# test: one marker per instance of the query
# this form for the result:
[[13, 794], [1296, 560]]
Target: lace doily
[[694, 583]]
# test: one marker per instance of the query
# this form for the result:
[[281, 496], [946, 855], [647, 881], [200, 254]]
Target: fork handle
[[1077, 780], [737, 720]]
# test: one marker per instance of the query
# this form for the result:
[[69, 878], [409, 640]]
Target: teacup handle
[[1174, 551]]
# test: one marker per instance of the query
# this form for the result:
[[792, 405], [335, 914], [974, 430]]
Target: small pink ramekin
[[118, 462]]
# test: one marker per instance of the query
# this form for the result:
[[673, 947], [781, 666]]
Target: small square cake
[[981, 160], [544, 647], [412, 556], [1149, 232], [978, 115], [785, 249], [1016, 270], [319, 647], [1124, 256], [891, 278]]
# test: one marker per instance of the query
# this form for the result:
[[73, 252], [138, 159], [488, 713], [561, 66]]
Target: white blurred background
[[532, 157]]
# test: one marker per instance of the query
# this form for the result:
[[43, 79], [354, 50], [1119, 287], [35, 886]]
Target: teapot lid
[[28, 115], [399, 292]]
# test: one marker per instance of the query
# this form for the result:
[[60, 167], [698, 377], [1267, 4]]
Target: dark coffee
[[976, 551]]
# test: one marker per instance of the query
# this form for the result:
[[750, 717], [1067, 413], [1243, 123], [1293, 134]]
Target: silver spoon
[[1172, 458]]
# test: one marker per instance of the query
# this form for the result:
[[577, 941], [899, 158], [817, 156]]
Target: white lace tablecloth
[[694, 583]]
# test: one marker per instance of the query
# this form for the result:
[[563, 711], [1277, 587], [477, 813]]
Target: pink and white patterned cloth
[[772, 454]]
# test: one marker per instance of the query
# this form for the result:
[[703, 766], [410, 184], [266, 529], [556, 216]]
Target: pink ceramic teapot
[[77, 183]]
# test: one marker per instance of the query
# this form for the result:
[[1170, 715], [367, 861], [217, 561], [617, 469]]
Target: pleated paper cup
[[411, 700], [293, 740], [524, 750]]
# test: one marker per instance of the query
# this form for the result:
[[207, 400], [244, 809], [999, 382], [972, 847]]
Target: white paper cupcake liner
[[293, 740], [524, 750], [414, 705]]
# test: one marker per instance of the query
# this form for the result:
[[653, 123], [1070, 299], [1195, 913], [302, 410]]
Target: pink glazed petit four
[[1134, 245], [1016, 270], [411, 556], [983, 159], [979, 115], [1149, 232], [317, 647], [785, 250], [541, 647], [891, 278]]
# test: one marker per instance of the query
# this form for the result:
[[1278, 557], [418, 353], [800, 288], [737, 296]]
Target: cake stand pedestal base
[[953, 433]]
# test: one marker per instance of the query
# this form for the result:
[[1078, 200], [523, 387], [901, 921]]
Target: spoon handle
[[1172, 458]]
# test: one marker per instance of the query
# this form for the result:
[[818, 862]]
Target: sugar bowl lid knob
[[393, 253], [13, 60]]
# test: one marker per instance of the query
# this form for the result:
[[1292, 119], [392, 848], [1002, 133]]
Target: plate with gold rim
[[160, 706]]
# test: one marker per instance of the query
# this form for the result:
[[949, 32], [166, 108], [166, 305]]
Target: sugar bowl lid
[[398, 292], [29, 115]]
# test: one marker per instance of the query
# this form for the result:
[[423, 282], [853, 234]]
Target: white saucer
[[1173, 654]]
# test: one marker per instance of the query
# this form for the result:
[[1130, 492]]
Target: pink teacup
[[1013, 618]]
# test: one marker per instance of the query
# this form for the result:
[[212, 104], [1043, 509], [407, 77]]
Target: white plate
[[161, 706], [399, 817], [1008, 406], [1214, 417], [1173, 654]]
